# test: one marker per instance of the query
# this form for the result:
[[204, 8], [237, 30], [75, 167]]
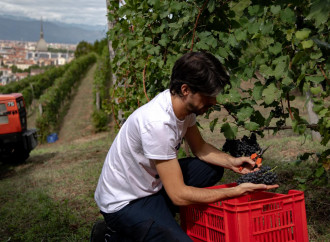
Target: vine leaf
[[316, 90], [298, 127], [222, 52], [276, 48], [258, 118], [213, 123], [244, 113], [240, 7], [319, 11], [319, 171], [287, 81], [307, 44], [266, 70], [232, 96], [288, 16], [271, 93], [211, 5], [275, 9], [257, 91], [315, 79], [229, 131], [240, 35], [303, 34], [251, 126], [164, 40]]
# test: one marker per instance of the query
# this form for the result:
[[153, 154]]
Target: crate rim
[[292, 194]]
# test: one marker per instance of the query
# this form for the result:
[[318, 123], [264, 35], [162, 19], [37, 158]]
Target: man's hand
[[246, 188], [246, 162]]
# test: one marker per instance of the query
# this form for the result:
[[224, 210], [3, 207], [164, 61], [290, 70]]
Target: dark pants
[[151, 218]]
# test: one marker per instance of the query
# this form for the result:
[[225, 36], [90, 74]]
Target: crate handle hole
[[271, 207]]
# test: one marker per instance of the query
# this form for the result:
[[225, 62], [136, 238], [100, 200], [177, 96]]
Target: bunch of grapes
[[244, 147], [278, 112], [280, 122], [263, 176]]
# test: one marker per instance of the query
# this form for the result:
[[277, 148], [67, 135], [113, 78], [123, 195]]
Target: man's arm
[[171, 176], [210, 154]]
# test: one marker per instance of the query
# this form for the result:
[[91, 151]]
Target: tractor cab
[[16, 141]]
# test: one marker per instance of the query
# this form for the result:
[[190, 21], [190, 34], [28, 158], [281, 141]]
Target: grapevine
[[280, 47]]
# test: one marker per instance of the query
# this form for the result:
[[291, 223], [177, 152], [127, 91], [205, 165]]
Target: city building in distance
[[16, 57]]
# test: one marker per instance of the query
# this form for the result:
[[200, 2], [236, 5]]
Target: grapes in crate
[[265, 175]]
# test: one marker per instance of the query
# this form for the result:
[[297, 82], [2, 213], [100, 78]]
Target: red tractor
[[16, 141]]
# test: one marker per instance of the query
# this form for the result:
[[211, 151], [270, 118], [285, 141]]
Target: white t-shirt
[[152, 132]]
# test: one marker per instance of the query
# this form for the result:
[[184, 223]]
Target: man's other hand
[[246, 162], [246, 188]]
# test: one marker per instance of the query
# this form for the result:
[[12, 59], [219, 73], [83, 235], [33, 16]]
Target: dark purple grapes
[[244, 147], [280, 123], [263, 176], [278, 112]]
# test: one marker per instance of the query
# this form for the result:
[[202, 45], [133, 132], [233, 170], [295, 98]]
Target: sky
[[90, 12]]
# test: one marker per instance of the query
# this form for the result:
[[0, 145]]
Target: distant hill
[[24, 29]]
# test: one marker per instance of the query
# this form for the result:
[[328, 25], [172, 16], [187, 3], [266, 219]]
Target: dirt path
[[77, 122]]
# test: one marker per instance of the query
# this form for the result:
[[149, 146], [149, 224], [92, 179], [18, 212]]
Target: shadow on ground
[[9, 168]]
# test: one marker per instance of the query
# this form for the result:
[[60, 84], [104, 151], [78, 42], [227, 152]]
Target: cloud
[[91, 12]]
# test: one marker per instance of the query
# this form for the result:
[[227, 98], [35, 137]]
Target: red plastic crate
[[262, 217]]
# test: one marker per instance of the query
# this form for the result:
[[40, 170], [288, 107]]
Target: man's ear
[[185, 90]]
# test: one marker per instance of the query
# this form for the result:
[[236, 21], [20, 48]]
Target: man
[[142, 182]]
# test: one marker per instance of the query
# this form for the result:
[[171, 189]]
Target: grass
[[51, 196]]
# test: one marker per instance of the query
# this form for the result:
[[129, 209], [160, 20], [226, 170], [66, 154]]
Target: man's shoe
[[100, 232]]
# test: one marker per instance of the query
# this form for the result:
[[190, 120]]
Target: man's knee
[[216, 175], [198, 173], [160, 232]]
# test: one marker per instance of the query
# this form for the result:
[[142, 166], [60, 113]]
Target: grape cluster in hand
[[244, 147], [263, 176]]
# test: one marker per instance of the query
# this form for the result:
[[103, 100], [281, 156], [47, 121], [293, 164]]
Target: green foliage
[[32, 87], [102, 76], [98, 46], [83, 48], [316, 191], [181, 153], [56, 95], [281, 45], [101, 86], [14, 69], [100, 120]]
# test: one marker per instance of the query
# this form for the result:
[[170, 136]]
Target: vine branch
[[310, 126], [289, 107], [230, 113], [144, 79], [323, 73], [200, 12], [113, 109], [114, 116]]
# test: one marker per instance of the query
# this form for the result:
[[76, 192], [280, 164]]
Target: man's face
[[198, 103]]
